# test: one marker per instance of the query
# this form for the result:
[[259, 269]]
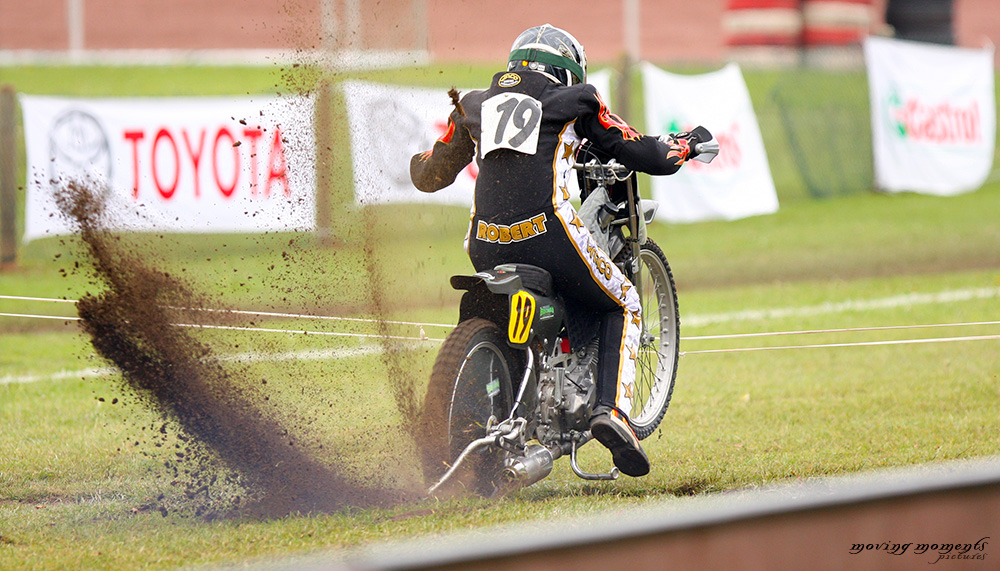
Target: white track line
[[693, 320], [859, 344], [302, 332], [841, 307], [59, 376], [841, 330], [302, 355]]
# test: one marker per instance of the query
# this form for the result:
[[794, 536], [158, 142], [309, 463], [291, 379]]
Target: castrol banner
[[217, 164], [390, 123], [738, 183], [933, 116]]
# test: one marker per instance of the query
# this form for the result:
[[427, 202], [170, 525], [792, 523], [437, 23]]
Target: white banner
[[601, 80], [738, 182], [389, 124], [174, 164], [933, 116]]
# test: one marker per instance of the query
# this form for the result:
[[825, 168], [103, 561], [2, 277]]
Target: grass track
[[79, 475], [78, 488]]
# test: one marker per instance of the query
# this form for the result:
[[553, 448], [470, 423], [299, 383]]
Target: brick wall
[[456, 30]]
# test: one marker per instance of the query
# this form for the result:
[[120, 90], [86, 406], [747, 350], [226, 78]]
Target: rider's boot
[[616, 435]]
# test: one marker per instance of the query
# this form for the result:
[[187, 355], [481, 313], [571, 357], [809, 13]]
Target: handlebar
[[609, 172], [613, 171]]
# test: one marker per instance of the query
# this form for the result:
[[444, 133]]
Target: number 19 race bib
[[510, 121]]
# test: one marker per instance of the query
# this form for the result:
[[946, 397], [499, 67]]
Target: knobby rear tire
[[471, 380]]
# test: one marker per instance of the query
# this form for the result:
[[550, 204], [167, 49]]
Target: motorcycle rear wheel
[[659, 341], [470, 382]]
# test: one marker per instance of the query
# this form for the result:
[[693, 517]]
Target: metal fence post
[[324, 160], [8, 178]]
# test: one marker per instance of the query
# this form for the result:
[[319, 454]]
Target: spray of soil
[[169, 370]]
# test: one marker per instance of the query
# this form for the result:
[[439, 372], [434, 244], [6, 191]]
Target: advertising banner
[[738, 182], [389, 124], [173, 164], [933, 116]]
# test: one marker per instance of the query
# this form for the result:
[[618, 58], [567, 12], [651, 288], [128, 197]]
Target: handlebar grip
[[706, 151]]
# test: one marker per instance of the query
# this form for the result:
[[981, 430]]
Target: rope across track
[[423, 337], [260, 313]]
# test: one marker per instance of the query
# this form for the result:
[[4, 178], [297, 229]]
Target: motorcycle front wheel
[[470, 382], [659, 341]]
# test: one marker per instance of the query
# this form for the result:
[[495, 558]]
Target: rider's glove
[[677, 147], [688, 138]]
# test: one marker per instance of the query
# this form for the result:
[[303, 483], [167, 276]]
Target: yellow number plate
[[522, 312]]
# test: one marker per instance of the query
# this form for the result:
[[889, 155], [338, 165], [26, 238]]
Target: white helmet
[[551, 51]]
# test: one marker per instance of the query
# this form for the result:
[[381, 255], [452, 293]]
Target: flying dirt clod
[[130, 325]]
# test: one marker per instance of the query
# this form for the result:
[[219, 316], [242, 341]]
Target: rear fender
[[525, 315]]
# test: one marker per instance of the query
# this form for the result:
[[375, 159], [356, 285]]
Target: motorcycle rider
[[524, 131]]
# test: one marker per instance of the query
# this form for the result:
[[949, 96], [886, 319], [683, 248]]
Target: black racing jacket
[[523, 133]]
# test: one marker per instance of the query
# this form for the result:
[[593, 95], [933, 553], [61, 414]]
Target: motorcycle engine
[[580, 389], [567, 393]]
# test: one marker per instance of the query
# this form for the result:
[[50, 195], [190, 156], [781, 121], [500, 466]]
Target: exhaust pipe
[[530, 468]]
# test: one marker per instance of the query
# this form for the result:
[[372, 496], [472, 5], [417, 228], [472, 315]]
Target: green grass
[[78, 490], [80, 474]]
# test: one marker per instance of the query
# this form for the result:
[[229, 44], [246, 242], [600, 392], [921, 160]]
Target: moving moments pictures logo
[[935, 551]]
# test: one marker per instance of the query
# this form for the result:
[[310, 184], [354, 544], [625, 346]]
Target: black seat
[[536, 279]]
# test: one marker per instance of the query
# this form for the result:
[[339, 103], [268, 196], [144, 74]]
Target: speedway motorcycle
[[508, 393]]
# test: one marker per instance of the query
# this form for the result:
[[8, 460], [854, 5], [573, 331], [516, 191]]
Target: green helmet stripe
[[551, 59]]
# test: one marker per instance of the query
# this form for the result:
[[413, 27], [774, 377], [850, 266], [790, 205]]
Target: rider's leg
[[616, 378], [603, 286], [616, 365]]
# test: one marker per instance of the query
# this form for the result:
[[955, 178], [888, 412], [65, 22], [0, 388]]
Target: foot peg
[[612, 475]]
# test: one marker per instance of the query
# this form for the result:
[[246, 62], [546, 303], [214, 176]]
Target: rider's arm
[[636, 151], [435, 169]]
